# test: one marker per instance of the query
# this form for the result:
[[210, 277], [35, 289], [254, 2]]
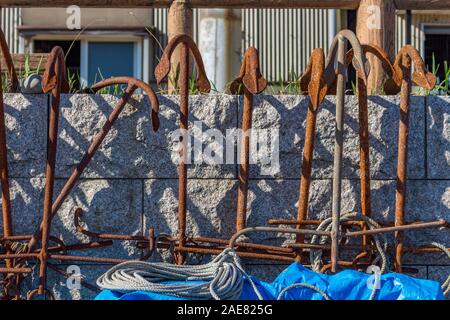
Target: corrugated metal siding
[[10, 20], [417, 33], [284, 37]]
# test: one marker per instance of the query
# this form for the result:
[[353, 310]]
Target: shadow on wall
[[131, 183]]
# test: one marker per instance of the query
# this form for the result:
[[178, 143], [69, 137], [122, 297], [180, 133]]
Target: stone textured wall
[[131, 184]]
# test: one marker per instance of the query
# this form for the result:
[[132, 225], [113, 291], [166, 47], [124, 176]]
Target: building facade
[[129, 41]]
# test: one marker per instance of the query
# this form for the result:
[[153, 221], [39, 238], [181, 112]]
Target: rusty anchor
[[202, 83], [252, 82]]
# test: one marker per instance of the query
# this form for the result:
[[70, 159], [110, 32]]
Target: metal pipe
[[338, 148]]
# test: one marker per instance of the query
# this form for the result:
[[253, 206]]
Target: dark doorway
[[437, 45], [72, 52]]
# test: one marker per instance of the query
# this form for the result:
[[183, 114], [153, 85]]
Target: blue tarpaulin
[[345, 285]]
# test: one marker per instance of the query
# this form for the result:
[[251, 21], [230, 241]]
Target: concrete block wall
[[131, 184]]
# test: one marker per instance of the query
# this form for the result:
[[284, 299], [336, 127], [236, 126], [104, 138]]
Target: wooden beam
[[330, 4], [35, 60], [422, 4], [179, 21], [324, 4], [375, 25]]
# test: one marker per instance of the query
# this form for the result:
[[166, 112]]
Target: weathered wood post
[[179, 21], [375, 25]]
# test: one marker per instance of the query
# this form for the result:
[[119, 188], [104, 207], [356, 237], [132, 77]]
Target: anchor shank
[[337, 167]]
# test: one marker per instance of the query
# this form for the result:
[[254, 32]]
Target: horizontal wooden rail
[[324, 4]]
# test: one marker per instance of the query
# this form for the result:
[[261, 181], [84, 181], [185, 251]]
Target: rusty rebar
[[403, 79], [54, 80], [202, 83], [363, 115], [432, 224], [4, 177], [142, 241], [132, 85], [313, 82], [82, 281], [252, 82]]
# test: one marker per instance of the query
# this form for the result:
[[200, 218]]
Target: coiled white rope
[[446, 284], [223, 278]]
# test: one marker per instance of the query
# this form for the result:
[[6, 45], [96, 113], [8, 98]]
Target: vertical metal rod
[[339, 139], [49, 178], [364, 153], [402, 159], [241, 218], [4, 179], [182, 169], [308, 150], [4, 176]]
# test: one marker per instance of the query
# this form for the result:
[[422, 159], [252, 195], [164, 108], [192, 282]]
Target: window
[[105, 59], [94, 58], [71, 50], [108, 59], [437, 44]]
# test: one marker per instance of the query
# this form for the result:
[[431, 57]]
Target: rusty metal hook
[[358, 61], [250, 76], [54, 80], [363, 114], [133, 84], [203, 85], [402, 80], [139, 84], [252, 82], [402, 68], [163, 68], [313, 82]]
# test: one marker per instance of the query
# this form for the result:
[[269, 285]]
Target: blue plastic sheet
[[345, 285]]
